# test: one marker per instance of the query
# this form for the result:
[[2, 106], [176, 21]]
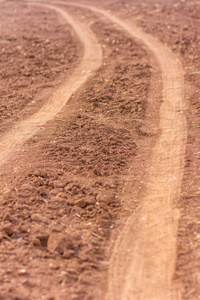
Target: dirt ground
[[62, 195], [177, 25]]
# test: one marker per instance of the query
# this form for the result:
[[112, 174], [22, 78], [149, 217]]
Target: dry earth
[[68, 186]]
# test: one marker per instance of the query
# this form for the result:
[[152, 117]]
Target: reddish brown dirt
[[61, 197], [59, 208], [177, 24], [38, 50]]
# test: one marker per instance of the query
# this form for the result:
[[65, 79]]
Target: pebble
[[8, 229]]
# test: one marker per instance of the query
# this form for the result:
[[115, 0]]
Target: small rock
[[26, 190], [56, 243], [54, 266], [56, 191], [8, 229], [81, 203], [40, 173], [28, 283], [22, 272], [43, 237], [105, 215], [36, 242], [19, 240], [74, 190], [68, 254], [104, 198], [27, 186], [77, 236], [56, 228], [62, 195], [60, 212], [59, 184], [37, 218], [42, 192], [77, 210], [60, 172], [22, 229]]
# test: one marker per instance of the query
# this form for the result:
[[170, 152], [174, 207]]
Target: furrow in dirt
[[143, 268], [91, 61]]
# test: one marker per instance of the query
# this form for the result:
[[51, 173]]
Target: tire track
[[12, 141], [144, 255]]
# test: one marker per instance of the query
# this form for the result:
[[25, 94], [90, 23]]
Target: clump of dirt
[[52, 219], [36, 47], [88, 148]]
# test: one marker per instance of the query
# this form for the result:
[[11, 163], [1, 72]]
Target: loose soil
[[177, 24], [66, 192], [92, 58], [60, 205], [38, 51]]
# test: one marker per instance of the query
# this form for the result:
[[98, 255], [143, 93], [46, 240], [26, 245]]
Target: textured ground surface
[[66, 192]]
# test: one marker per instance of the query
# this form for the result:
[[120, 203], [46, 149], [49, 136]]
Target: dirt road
[[143, 267], [143, 258], [148, 259]]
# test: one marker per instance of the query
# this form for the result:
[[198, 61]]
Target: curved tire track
[[90, 62], [144, 255]]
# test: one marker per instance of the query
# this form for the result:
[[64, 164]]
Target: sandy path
[[144, 266], [90, 62], [144, 255]]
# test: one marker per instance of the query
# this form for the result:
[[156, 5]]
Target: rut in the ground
[[144, 256], [90, 62]]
